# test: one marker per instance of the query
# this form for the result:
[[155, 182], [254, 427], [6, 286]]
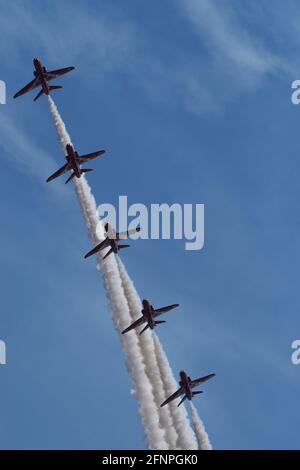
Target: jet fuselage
[[39, 73], [72, 157], [148, 313], [185, 383], [114, 245]]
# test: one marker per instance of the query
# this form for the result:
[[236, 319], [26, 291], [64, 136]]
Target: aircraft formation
[[73, 164]]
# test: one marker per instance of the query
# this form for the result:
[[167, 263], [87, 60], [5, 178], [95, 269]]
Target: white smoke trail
[[201, 434], [162, 374], [148, 351], [186, 437], [63, 136], [118, 304], [151, 387]]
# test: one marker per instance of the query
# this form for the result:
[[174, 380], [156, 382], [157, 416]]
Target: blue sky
[[191, 99]]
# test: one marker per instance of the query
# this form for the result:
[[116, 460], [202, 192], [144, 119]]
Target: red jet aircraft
[[42, 77], [73, 163], [111, 240], [149, 315], [186, 386]]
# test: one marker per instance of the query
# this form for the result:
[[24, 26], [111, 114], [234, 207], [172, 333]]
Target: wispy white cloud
[[228, 40], [237, 59], [20, 150], [67, 31], [26, 156], [227, 58]]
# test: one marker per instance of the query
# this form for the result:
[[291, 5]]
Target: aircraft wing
[[90, 156], [98, 247], [122, 235], [160, 311], [175, 395], [59, 172], [136, 323], [199, 381], [30, 86], [56, 73]]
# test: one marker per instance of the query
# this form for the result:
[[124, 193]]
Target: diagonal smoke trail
[[118, 304], [186, 437], [165, 429], [152, 367], [165, 383], [121, 317], [201, 434], [63, 136]]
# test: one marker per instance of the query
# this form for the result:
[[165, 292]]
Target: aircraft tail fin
[[85, 170], [122, 246], [181, 401], [155, 323], [144, 329], [55, 87], [52, 87], [197, 393], [108, 253], [39, 95], [70, 177]]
